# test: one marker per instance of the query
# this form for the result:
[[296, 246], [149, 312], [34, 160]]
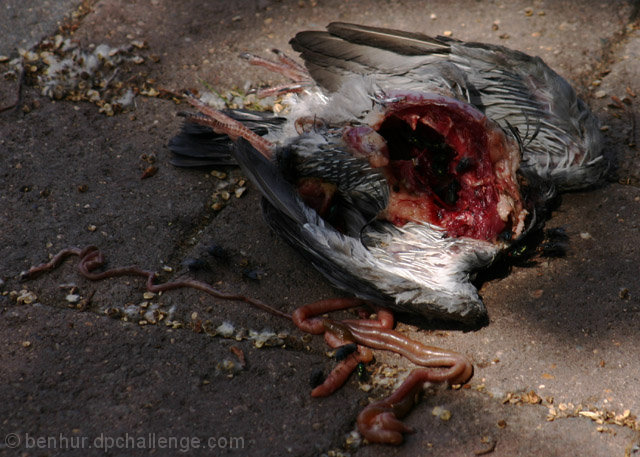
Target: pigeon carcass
[[406, 163]]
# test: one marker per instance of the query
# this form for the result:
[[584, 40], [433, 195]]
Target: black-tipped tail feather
[[199, 146]]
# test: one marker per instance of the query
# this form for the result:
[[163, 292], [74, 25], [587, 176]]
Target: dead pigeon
[[406, 163]]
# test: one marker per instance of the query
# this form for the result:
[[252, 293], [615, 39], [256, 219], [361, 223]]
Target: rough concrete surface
[[557, 371]]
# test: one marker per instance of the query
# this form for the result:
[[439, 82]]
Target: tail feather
[[199, 146]]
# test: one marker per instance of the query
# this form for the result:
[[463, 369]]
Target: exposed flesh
[[447, 165]]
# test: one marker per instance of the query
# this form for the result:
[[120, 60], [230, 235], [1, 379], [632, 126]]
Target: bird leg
[[224, 125], [285, 66]]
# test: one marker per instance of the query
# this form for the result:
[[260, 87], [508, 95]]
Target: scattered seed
[[590, 414], [218, 174], [443, 414], [73, 298], [25, 297]]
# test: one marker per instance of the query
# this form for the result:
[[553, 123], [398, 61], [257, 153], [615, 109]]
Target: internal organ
[[447, 165]]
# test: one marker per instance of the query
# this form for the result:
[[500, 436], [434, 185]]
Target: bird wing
[[560, 136], [414, 269]]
